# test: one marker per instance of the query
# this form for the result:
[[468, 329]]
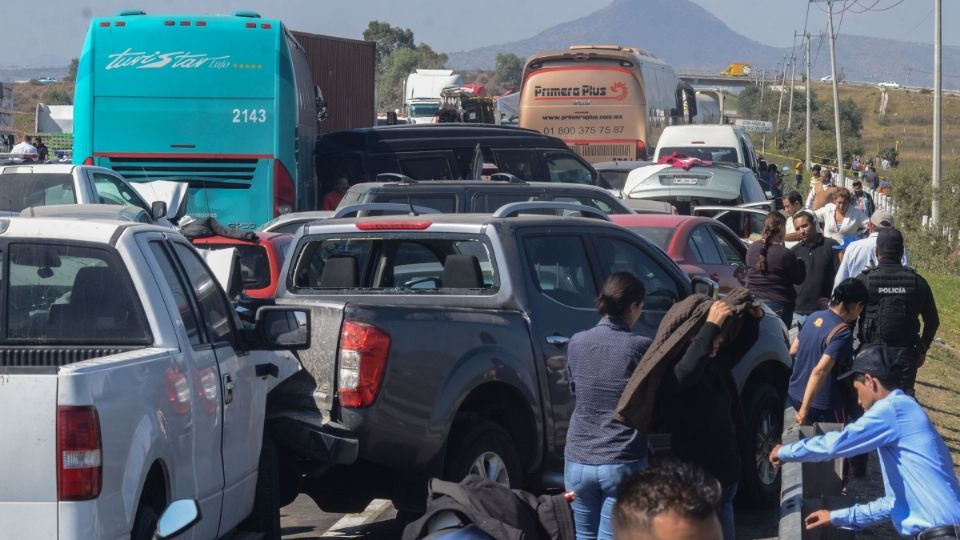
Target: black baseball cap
[[890, 244], [879, 361]]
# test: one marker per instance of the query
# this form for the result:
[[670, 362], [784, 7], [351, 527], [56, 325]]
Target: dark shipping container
[[345, 70]]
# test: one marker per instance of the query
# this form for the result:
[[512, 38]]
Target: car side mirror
[[158, 210], [179, 516], [282, 328], [706, 286]]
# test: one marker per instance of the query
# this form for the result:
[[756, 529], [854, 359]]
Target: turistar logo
[[170, 59], [618, 91]]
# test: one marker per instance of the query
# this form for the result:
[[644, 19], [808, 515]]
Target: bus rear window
[[23, 190], [61, 294], [425, 264]]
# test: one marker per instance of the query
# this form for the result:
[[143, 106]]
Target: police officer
[[898, 296]]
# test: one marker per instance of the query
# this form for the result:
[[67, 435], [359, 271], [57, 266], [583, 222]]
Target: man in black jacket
[[820, 259], [899, 297]]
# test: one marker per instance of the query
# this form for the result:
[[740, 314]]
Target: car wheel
[[265, 517], [760, 485], [485, 449]]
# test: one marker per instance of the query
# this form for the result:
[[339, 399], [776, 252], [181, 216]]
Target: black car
[[478, 196], [448, 152]]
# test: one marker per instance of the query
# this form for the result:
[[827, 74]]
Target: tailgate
[[314, 386], [28, 474]]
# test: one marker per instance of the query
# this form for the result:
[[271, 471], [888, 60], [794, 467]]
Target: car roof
[[657, 220], [620, 165], [452, 135], [110, 212], [86, 230], [426, 185], [38, 168], [465, 222]]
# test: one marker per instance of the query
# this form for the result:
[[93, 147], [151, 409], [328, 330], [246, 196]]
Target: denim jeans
[[596, 491], [784, 311], [726, 511]]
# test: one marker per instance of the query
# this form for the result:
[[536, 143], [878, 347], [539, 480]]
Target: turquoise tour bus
[[224, 103]]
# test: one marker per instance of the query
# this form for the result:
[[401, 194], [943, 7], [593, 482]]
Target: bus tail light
[[79, 458], [363, 361], [641, 150], [88, 161], [284, 192]]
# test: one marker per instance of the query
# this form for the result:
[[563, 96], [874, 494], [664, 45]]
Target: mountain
[[690, 38]]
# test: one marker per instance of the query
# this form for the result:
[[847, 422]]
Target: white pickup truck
[[127, 381]]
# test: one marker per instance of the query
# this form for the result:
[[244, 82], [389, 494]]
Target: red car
[[701, 246], [260, 261]]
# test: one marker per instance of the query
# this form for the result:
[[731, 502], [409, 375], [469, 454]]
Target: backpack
[[496, 510]]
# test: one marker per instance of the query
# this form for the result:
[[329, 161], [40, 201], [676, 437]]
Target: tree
[[508, 71], [72, 75], [398, 56], [388, 39]]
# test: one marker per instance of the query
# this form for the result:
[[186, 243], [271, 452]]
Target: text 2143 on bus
[[583, 130], [255, 116]]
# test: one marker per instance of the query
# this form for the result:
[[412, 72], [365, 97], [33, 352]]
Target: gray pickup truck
[[440, 349]]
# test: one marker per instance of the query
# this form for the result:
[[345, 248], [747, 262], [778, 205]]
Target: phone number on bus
[[583, 130]]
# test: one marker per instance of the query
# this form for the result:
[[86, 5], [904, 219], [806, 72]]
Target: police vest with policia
[[898, 298]]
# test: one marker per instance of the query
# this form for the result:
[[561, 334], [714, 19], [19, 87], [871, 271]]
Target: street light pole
[[937, 109], [836, 90], [809, 145]]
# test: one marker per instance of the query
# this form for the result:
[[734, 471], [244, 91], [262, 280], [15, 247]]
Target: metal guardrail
[[806, 487]]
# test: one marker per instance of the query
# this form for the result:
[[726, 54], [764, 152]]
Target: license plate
[[685, 181]]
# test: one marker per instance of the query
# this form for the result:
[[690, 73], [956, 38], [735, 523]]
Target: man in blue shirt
[[922, 495]]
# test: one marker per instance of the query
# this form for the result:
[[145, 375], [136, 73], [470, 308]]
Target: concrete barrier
[[806, 487]]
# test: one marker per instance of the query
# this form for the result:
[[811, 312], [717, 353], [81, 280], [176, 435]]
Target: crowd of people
[[30, 149], [833, 266]]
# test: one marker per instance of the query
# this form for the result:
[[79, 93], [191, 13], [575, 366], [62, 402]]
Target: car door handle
[[268, 369], [557, 341], [227, 388]]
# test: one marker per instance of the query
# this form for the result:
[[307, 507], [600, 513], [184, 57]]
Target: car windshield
[[254, 264], [708, 153], [23, 190], [423, 264], [617, 178], [658, 235], [424, 109], [60, 294]]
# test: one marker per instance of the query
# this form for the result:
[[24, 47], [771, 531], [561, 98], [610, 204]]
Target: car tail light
[[641, 150], [79, 467], [178, 390], [392, 225], [363, 361], [284, 192]]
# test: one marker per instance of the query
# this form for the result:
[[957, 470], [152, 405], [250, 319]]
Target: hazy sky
[[452, 26]]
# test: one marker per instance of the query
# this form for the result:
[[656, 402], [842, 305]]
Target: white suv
[[28, 185]]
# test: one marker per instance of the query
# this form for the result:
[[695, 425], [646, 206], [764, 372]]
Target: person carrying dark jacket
[[773, 270], [599, 449], [683, 385], [697, 398]]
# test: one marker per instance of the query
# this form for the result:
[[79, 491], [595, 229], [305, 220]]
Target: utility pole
[[783, 80], [937, 109], [836, 90], [809, 145], [793, 77]]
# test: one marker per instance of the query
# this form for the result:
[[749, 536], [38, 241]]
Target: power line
[[923, 20]]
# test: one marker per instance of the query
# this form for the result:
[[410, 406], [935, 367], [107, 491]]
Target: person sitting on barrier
[[673, 501], [824, 346], [921, 491]]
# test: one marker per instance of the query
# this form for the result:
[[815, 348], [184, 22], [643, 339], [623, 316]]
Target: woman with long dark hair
[[599, 450], [773, 270]]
